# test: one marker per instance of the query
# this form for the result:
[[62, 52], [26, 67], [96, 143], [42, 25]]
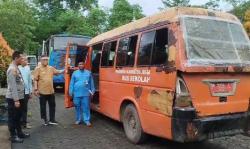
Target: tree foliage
[[211, 4], [240, 9], [17, 23], [123, 12], [26, 23], [53, 5], [174, 3], [247, 22]]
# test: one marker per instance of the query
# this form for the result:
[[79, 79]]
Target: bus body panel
[[113, 93], [152, 91], [157, 124], [206, 104]]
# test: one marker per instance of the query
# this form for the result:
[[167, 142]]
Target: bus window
[[159, 54], [81, 54], [96, 55], [108, 54], [145, 50], [152, 49], [126, 51]]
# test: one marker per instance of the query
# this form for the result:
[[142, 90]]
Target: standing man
[[81, 88], [43, 76], [14, 97], [26, 75]]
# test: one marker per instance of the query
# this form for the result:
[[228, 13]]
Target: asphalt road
[[105, 134]]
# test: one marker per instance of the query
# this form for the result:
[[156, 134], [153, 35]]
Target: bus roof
[[167, 15], [70, 35]]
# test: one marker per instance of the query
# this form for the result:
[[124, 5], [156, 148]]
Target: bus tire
[[132, 125]]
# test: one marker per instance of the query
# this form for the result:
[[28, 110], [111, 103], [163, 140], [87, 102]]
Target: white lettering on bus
[[135, 75], [133, 72], [138, 79]]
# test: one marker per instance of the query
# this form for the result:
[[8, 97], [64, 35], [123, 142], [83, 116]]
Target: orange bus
[[182, 74]]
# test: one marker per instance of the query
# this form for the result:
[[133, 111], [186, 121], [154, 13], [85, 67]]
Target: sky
[[152, 6]]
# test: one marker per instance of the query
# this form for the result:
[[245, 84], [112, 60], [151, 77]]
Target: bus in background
[[32, 61], [55, 48], [181, 74]]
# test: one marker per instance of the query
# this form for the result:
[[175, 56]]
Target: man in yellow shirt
[[43, 76]]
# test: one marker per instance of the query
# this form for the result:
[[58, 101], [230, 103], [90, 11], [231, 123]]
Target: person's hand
[[30, 97], [36, 92], [61, 71], [17, 104]]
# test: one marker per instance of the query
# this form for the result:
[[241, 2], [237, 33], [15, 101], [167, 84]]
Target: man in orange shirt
[[43, 76]]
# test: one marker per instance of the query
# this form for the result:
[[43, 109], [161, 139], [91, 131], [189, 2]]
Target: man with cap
[[43, 87]]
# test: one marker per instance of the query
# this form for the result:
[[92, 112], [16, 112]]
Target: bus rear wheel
[[132, 125]]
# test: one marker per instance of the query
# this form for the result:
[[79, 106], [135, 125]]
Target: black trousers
[[24, 109], [14, 117], [52, 106]]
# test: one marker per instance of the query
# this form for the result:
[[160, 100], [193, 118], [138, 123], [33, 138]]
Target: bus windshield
[[60, 43], [214, 41], [32, 60]]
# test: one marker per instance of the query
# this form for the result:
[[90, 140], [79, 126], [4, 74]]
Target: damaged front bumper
[[186, 127]]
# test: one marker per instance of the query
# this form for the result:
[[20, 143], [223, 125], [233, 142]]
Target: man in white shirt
[[26, 75]]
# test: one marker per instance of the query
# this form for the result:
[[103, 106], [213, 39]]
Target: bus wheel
[[132, 125]]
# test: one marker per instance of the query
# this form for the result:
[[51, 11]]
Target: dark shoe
[[27, 126], [24, 135], [247, 133], [53, 122], [16, 140], [46, 123]]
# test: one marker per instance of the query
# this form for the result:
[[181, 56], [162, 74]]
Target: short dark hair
[[44, 55], [16, 54]]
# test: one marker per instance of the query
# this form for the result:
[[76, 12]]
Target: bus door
[[74, 54], [95, 62]]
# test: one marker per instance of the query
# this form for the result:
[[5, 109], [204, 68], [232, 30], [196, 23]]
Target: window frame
[[167, 26], [92, 47], [114, 61], [135, 50]]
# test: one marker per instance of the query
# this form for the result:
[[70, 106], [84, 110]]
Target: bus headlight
[[183, 98]]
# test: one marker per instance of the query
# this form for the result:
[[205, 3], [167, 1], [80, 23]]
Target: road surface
[[105, 134]]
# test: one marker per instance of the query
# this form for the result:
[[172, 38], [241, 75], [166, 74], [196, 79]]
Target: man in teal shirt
[[80, 89], [26, 75]]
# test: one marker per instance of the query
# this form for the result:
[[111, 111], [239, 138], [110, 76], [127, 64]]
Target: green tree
[[66, 16], [98, 20], [72, 22], [123, 12], [247, 22], [17, 22], [236, 3], [54, 5], [212, 4], [82, 5], [174, 3], [240, 7]]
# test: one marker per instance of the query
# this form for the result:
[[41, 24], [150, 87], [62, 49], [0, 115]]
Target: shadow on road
[[156, 142]]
